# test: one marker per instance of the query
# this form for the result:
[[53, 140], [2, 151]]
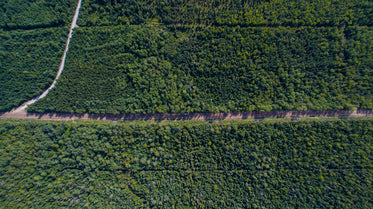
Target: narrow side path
[[62, 65], [190, 116]]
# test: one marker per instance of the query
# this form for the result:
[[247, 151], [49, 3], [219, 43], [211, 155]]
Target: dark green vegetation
[[228, 12], [307, 164], [195, 56], [29, 62], [149, 69], [32, 39], [21, 14]]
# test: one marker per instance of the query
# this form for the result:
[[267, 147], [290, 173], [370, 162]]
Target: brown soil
[[189, 116]]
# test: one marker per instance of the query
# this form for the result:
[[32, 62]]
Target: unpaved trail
[[22, 114], [22, 108], [190, 116]]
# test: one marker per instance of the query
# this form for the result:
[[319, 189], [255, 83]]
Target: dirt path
[[22, 108], [21, 113], [190, 116]]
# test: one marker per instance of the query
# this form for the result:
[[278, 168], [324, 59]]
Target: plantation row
[[29, 62], [139, 69], [226, 164], [229, 13], [16, 14]]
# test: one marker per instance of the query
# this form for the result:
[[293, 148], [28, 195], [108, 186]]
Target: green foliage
[[29, 62], [21, 14], [253, 189], [186, 164], [228, 12], [127, 74], [155, 69], [30, 58]]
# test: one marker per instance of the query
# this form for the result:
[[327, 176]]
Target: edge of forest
[[192, 116]]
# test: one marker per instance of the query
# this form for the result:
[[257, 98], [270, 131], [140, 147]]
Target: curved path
[[190, 116], [21, 113], [60, 69]]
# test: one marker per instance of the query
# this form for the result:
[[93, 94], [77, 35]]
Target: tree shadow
[[201, 116]]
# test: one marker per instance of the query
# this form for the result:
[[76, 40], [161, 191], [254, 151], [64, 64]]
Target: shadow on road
[[194, 116]]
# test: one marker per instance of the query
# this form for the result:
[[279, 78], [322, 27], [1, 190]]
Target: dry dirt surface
[[188, 116]]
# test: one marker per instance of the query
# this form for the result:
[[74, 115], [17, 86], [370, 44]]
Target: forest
[[216, 164], [33, 34], [273, 13], [157, 69], [183, 56], [29, 63], [189, 56], [21, 14]]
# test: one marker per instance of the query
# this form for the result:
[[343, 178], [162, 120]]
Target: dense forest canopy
[[197, 56], [29, 63], [21, 14], [228, 12], [32, 38], [166, 56], [221, 164], [148, 69]]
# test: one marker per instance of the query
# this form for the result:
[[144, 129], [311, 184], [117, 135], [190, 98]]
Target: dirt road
[[20, 111], [60, 69], [190, 116]]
